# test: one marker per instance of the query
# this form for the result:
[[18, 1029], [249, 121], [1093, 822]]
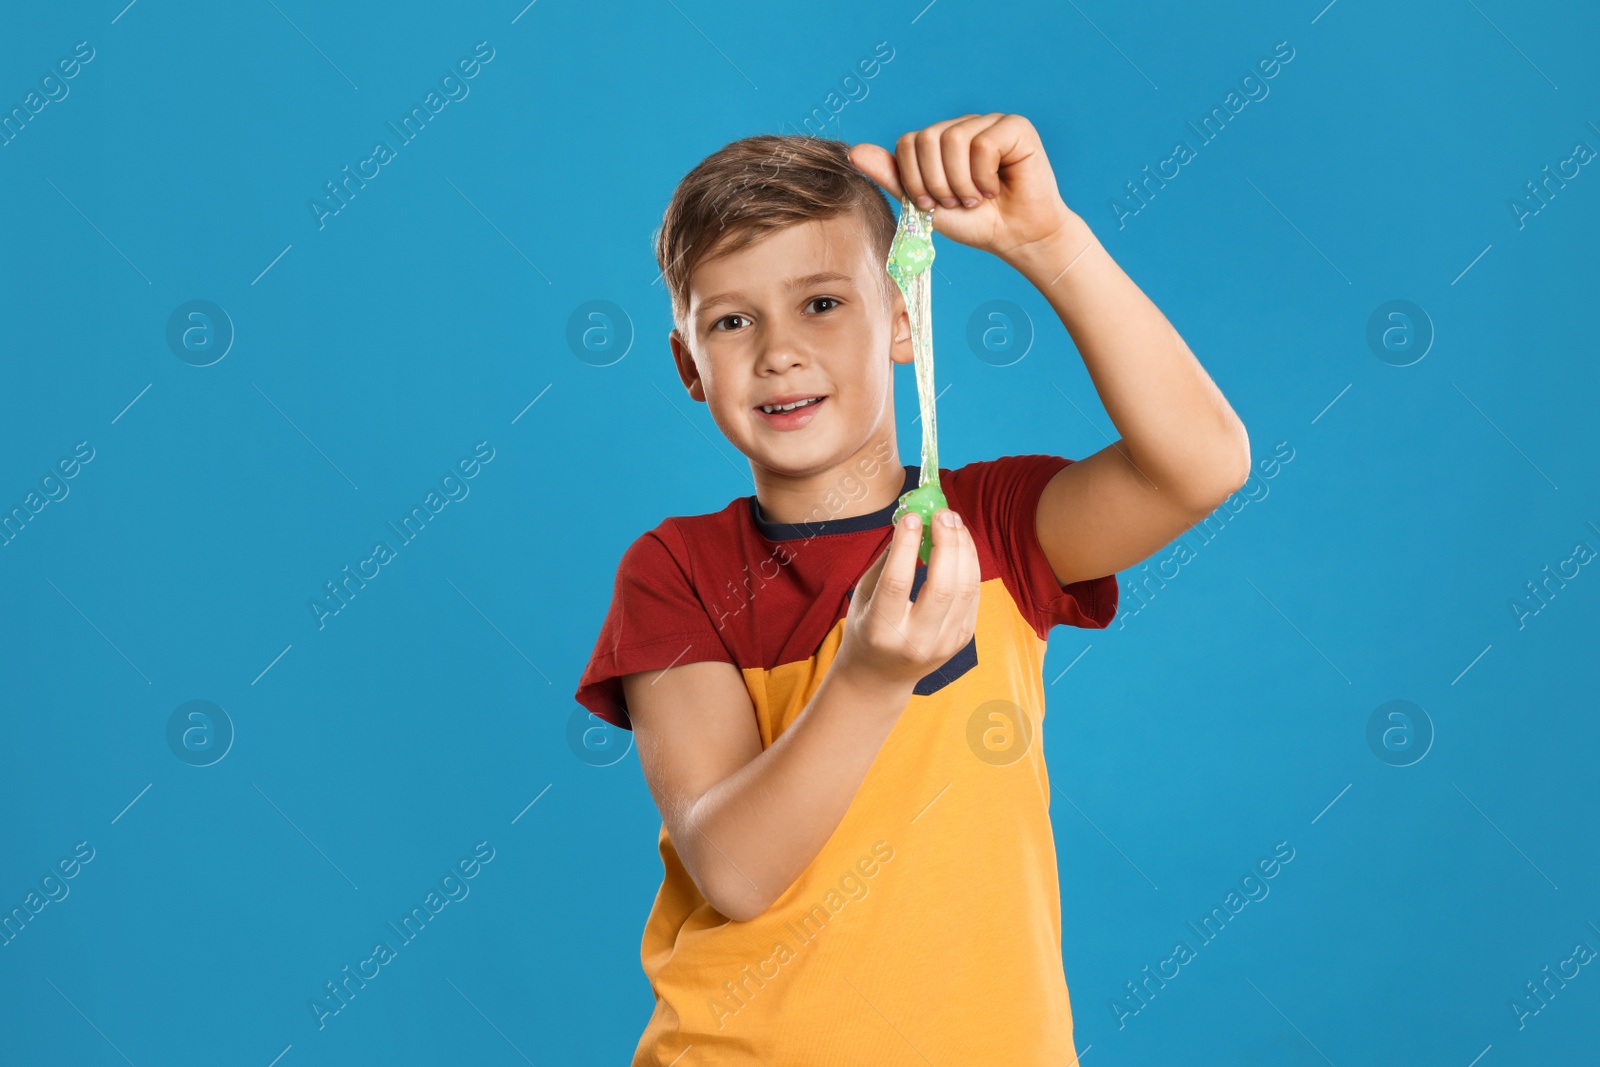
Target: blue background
[[1227, 713]]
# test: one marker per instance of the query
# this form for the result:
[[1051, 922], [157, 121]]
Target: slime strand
[[910, 257]]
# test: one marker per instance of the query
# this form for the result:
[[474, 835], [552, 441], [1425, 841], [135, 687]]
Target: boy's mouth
[[790, 413]]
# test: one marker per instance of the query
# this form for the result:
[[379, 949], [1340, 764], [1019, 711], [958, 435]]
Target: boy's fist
[[988, 174]]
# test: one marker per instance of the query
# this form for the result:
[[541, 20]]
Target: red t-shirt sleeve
[[1002, 496], [656, 620]]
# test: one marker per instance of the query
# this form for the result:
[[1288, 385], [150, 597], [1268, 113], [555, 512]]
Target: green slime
[[910, 256]]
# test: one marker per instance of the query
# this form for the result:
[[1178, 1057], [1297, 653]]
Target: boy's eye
[[722, 323]]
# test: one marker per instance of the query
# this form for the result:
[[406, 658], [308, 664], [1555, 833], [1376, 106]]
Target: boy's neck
[[869, 481]]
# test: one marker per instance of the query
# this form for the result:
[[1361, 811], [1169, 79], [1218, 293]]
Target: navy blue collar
[[792, 531]]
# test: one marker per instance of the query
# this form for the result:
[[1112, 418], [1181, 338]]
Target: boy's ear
[[687, 371], [900, 348]]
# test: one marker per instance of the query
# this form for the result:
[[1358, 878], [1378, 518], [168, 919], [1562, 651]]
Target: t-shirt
[[928, 928]]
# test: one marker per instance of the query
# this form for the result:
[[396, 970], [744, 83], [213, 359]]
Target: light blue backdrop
[[1437, 464]]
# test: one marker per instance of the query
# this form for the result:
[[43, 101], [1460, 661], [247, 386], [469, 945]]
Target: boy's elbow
[[740, 902], [1230, 469], [740, 914], [723, 885], [1231, 452], [1241, 462]]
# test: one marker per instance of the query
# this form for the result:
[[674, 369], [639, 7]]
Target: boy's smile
[[789, 413], [803, 318]]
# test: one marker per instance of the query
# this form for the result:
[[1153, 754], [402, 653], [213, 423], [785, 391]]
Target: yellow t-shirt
[[928, 929]]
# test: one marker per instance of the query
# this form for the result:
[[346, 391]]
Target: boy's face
[[799, 312]]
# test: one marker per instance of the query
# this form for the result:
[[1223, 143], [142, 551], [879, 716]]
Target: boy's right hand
[[891, 639]]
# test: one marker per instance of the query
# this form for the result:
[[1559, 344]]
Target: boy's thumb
[[878, 164]]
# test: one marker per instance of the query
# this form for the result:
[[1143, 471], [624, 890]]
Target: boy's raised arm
[[1183, 449]]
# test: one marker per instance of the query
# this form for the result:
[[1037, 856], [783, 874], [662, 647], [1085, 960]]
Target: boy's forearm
[[760, 827], [1176, 426]]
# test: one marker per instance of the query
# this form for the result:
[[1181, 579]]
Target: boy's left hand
[[993, 185]]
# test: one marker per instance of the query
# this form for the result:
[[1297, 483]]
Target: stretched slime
[[910, 256]]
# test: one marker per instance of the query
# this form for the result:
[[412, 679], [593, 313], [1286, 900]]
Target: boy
[[844, 745]]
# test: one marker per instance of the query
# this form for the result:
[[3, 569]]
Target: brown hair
[[755, 185]]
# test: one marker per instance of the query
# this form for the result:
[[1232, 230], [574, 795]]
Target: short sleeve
[[656, 620], [1001, 498]]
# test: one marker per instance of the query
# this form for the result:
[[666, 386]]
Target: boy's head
[[773, 251]]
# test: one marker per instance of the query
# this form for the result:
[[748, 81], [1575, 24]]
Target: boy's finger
[[971, 570], [944, 563], [878, 164], [984, 155], [867, 584], [899, 568], [905, 156], [966, 593], [959, 157], [1009, 139], [930, 161]]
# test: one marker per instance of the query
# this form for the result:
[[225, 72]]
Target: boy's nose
[[779, 351], [779, 359]]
